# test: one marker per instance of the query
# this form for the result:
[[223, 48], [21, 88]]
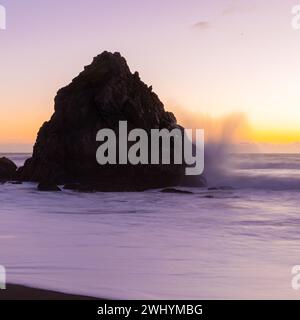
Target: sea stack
[[105, 93], [8, 170]]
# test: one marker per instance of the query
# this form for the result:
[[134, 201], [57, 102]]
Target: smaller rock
[[16, 182], [173, 190], [48, 186], [79, 187], [7, 169], [194, 181]]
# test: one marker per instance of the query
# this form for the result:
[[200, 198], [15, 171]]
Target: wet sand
[[18, 292]]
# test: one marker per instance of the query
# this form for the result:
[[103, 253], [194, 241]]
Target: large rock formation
[[102, 95], [7, 169]]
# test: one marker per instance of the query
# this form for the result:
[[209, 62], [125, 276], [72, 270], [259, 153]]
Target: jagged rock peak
[[103, 94]]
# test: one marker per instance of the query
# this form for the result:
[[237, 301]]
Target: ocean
[[237, 239]]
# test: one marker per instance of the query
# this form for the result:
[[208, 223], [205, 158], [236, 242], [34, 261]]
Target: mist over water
[[266, 171], [226, 167], [251, 171], [221, 243]]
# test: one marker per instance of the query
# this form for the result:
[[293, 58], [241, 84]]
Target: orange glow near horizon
[[21, 127], [270, 135], [18, 132], [234, 128]]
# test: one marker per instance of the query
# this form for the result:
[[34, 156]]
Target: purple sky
[[214, 57]]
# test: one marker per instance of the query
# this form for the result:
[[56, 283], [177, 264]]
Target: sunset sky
[[209, 61]]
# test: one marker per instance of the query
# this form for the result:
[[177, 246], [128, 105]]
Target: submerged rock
[[105, 93], [79, 187], [173, 190], [16, 182], [48, 186], [7, 169]]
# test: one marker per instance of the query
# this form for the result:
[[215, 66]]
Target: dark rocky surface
[[18, 292], [7, 169], [173, 190], [48, 186], [105, 93], [80, 187]]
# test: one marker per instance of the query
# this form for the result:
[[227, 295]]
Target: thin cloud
[[202, 25], [238, 7]]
